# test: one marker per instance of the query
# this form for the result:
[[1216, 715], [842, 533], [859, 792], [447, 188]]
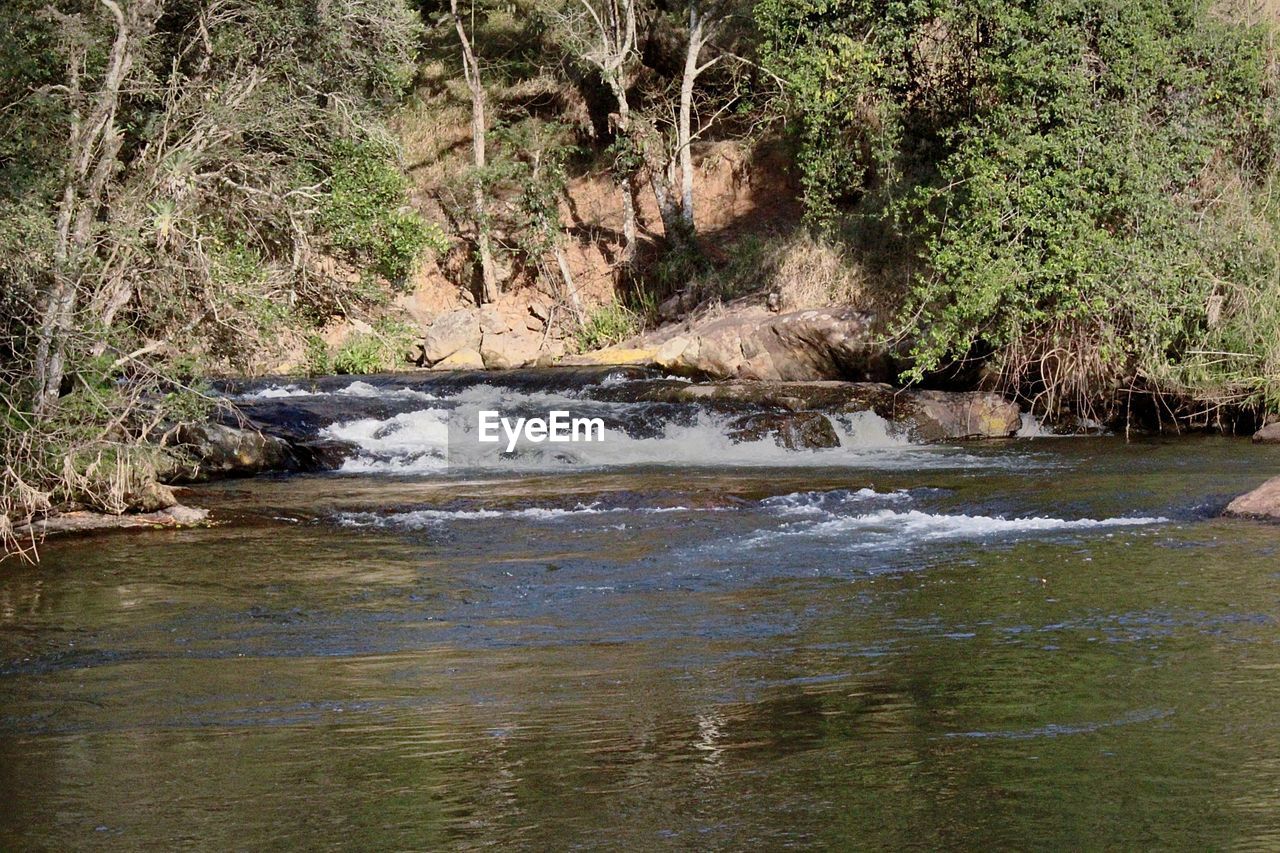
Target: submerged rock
[[1263, 502], [792, 430]]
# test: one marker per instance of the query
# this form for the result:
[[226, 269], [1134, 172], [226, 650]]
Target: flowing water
[[1038, 643]]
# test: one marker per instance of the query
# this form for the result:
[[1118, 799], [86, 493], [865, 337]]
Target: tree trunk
[[626, 185], [661, 180], [685, 130], [660, 162], [570, 289], [479, 130]]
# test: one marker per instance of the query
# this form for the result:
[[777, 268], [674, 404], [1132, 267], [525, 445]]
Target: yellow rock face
[[612, 356], [463, 359]]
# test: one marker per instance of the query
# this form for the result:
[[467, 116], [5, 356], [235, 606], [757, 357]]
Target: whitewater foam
[[912, 525], [420, 518], [1031, 428], [408, 443], [273, 392], [823, 503], [419, 442], [364, 389]]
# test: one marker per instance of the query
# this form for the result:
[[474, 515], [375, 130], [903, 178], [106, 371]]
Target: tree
[[167, 170], [479, 131], [93, 145], [602, 34]]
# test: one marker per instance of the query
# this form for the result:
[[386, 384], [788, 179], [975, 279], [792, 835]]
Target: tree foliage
[[169, 171], [1087, 182]]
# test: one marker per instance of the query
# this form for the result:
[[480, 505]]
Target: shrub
[[1085, 182], [365, 216], [380, 349], [609, 324]]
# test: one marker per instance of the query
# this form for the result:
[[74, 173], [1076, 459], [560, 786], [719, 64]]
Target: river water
[[1046, 643]]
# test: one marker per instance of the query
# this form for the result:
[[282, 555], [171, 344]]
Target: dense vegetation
[[1088, 182], [1076, 196], [169, 172]]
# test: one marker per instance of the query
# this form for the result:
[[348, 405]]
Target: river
[[1047, 643]]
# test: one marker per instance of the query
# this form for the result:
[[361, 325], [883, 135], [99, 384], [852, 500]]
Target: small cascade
[[415, 424], [1032, 428]]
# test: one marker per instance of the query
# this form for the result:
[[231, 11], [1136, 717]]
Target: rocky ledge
[[83, 521], [920, 415], [751, 343]]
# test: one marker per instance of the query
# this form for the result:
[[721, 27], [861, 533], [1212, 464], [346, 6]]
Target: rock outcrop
[[497, 337], [1263, 502], [450, 332], [832, 343]]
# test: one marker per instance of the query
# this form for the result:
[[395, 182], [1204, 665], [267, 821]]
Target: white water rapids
[[421, 438]]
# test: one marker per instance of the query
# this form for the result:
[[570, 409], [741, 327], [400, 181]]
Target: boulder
[[676, 306], [834, 343], [321, 454], [493, 321], [463, 359], [944, 415], [450, 332], [1263, 502], [509, 349], [150, 496], [792, 430], [218, 450], [1269, 434]]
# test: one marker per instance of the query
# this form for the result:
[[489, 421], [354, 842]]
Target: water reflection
[[571, 684]]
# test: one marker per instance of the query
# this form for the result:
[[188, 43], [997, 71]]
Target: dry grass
[[796, 271]]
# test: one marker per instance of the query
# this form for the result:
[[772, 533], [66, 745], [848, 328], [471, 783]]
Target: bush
[[381, 349], [1087, 183], [608, 325], [365, 216]]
